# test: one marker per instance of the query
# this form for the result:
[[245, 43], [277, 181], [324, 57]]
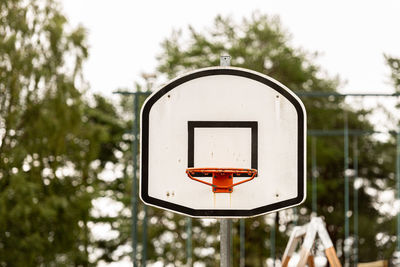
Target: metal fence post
[[314, 174], [134, 182], [355, 199], [134, 149], [144, 236], [242, 242], [272, 238], [189, 242], [346, 191], [398, 185]]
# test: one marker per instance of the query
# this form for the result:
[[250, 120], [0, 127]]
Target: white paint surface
[[223, 98], [222, 148]]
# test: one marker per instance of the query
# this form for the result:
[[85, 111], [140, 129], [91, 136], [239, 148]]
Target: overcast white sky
[[125, 35]]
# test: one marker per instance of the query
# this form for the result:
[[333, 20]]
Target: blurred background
[[67, 167]]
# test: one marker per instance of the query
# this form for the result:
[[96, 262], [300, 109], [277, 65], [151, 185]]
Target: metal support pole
[[225, 61], [189, 242], [135, 145], [346, 191], [355, 199], [225, 228], [314, 175], [144, 236], [225, 242], [242, 242], [398, 186]]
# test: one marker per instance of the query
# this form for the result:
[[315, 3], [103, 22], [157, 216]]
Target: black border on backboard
[[253, 125], [220, 212]]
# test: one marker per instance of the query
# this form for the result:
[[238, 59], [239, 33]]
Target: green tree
[[260, 43], [50, 138], [394, 65]]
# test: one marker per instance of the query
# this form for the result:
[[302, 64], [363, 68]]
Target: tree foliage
[[49, 138], [394, 65]]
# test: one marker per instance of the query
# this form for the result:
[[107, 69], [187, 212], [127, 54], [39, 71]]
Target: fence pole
[[189, 259], [272, 239], [242, 242], [314, 174], [144, 236], [135, 145], [355, 199], [398, 185], [346, 191]]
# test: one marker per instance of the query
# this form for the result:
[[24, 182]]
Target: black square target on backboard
[[252, 125]]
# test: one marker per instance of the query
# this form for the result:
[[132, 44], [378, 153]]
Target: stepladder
[[308, 234]]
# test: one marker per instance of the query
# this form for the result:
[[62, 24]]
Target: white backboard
[[223, 117]]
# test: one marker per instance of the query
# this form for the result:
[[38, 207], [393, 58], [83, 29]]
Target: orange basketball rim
[[222, 178]]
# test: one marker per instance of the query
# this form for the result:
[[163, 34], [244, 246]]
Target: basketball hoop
[[222, 178], [185, 127]]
